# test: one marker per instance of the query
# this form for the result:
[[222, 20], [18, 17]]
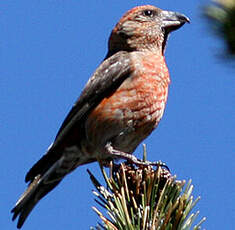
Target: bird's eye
[[148, 13]]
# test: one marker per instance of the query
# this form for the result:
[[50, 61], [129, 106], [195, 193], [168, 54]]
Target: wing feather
[[106, 79]]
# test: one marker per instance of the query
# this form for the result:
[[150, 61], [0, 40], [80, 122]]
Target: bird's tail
[[38, 188]]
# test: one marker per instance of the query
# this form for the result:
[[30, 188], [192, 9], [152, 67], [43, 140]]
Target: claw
[[132, 159]]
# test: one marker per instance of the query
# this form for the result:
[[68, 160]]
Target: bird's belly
[[127, 117]]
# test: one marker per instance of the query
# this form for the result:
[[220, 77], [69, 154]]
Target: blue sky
[[49, 49]]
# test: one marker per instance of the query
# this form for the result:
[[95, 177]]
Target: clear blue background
[[49, 49]]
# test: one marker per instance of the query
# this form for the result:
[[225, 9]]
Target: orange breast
[[134, 109]]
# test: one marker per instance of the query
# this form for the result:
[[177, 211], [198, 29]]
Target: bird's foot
[[132, 159]]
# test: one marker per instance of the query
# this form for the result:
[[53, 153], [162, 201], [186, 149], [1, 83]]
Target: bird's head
[[144, 27]]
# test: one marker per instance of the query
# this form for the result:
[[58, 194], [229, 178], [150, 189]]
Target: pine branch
[[222, 16], [141, 197]]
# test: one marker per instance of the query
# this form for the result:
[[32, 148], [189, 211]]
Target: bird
[[121, 104]]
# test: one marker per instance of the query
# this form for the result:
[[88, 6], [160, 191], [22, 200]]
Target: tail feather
[[25, 197], [44, 176], [43, 164], [30, 198], [36, 190]]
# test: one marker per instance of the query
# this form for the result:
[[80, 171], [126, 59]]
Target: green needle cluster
[[144, 198], [222, 17]]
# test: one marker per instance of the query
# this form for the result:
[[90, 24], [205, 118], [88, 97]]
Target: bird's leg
[[131, 158], [119, 154]]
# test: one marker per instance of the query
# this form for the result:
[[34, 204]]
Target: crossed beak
[[173, 20]]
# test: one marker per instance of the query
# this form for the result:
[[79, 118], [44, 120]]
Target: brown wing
[[106, 79]]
